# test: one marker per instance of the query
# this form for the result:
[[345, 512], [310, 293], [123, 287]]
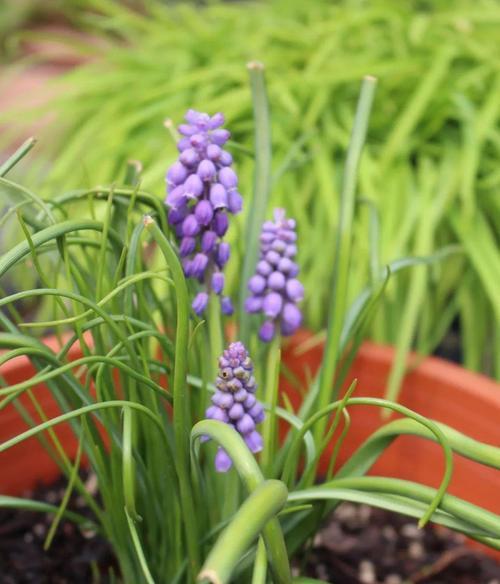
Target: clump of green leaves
[[112, 281]]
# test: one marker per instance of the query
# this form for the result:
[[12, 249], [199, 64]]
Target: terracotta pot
[[437, 389], [26, 464]]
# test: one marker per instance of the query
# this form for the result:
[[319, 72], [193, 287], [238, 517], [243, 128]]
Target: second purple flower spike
[[202, 190], [275, 290], [234, 401]]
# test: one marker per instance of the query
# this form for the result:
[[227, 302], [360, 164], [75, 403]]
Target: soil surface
[[363, 545], [358, 545], [75, 557]]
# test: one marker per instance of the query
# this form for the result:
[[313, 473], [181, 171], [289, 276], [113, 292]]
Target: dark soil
[[358, 545], [75, 557], [361, 545]]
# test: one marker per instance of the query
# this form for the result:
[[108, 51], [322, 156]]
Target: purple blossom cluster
[[201, 191], [234, 401], [274, 289]]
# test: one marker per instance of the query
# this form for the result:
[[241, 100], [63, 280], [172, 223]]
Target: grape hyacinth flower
[[274, 289], [201, 192], [234, 401]]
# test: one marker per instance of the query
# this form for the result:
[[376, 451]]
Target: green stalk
[[264, 503], [17, 156], [269, 426], [339, 288], [180, 414], [262, 186], [260, 565], [251, 475]]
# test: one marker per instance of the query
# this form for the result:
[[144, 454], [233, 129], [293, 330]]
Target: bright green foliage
[[110, 279], [430, 171]]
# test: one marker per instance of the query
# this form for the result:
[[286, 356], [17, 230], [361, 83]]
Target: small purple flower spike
[[201, 192], [234, 401], [275, 290]]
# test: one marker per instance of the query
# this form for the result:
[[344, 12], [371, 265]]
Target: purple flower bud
[[250, 401], [192, 116], [273, 258], [187, 129], [234, 385], [295, 290], [220, 137], [177, 215], [223, 399], [223, 252], [264, 268], [267, 237], [216, 121], [272, 304], [245, 424], [257, 284], [236, 412], [200, 303], [183, 144], [203, 121], [228, 178], [193, 187], [206, 170], [266, 331], [187, 246], [198, 140], [190, 226], [177, 198], [254, 441], [278, 246], [253, 304], [285, 265], [225, 158], [189, 157], [213, 152], [218, 196], [217, 282], [291, 250], [241, 395], [187, 265], [226, 306], [234, 202], [177, 173], [222, 461], [208, 240], [220, 223], [276, 281], [256, 412], [218, 414], [291, 318], [204, 212], [200, 262]]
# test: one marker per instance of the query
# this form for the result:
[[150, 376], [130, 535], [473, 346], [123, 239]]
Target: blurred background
[[95, 81]]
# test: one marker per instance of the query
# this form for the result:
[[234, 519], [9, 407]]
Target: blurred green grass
[[430, 170]]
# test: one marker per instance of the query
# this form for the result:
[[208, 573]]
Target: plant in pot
[[205, 470]]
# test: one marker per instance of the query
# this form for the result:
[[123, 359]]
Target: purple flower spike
[[234, 401], [201, 193], [275, 290]]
